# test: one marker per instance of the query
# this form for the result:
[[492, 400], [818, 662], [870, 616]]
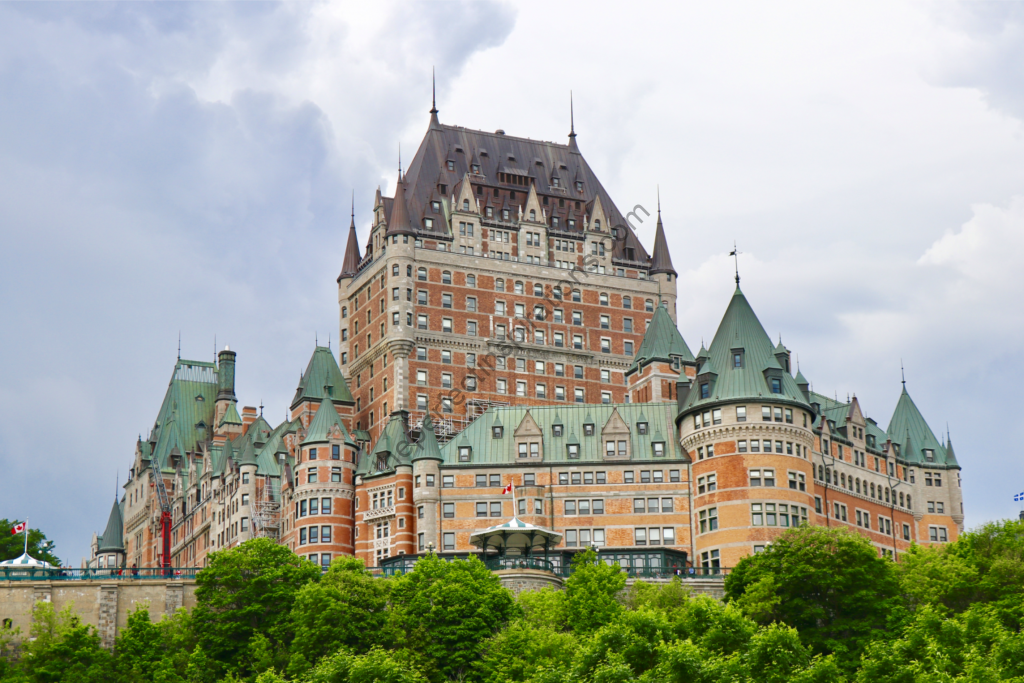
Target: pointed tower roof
[[398, 222], [113, 535], [322, 371], [572, 126], [324, 422], [427, 448], [741, 331], [350, 266], [661, 341], [661, 259], [950, 456], [434, 123], [231, 416], [800, 379], [908, 428], [249, 456]]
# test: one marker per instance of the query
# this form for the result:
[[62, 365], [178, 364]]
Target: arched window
[[344, 311], [603, 297], [518, 287], [408, 271], [465, 205], [597, 224], [910, 506], [421, 274], [627, 302], [394, 270], [576, 295], [446, 277], [649, 305], [538, 289], [533, 215], [499, 285]]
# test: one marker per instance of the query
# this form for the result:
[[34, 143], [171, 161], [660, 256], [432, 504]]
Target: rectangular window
[[639, 536], [627, 478], [496, 509], [447, 481], [449, 540]]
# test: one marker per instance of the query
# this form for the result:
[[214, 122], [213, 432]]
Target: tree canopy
[[818, 606], [13, 545]]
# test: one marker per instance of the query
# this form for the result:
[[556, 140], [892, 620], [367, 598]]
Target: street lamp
[[430, 548]]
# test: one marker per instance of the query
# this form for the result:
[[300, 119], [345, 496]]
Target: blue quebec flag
[[1019, 496]]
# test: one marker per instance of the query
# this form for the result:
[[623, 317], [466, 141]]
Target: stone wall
[[713, 586], [519, 580], [103, 604]]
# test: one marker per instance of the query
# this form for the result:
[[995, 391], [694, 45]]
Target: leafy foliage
[[13, 545], [818, 607]]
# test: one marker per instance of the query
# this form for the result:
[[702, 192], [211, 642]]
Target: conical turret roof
[[249, 456], [908, 428], [398, 222], [231, 416], [741, 331], [661, 341], [661, 259], [113, 535], [322, 372], [427, 448], [324, 423], [350, 266]]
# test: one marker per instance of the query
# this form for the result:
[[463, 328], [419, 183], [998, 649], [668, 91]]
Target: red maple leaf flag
[[18, 528], [507, 489]]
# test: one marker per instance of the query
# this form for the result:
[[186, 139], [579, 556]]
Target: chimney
[[248, 417], [226, 374]]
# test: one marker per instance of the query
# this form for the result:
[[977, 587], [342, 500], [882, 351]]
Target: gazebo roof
[[26, 561], [515, 535]]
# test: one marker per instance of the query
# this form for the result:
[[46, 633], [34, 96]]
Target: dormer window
[[554, 182], [737, 358], [443, 189], [490, 212], [475, 168], [641, 427], [588, 430], [554, 221], [929, 455], [465, 205], [497, 432], [451, 165], [556, 430], [571, 223], [658, 449], [705, 390], [504, 214], [465, 452], [436, 206], [428, 223], [573, 451], [533, 215], [579, 186], [597, 224], [776, 383]]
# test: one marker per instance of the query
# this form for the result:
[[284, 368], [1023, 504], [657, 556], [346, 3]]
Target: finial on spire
[[353, 205], [658, 186], [399, 162], [433, 89], [572, 123], [903, 375], [328, 340], [179, 344], [735, 253], [261, 407]]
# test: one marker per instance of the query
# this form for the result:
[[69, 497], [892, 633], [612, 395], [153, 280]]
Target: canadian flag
[[507, 489], [18, 528]]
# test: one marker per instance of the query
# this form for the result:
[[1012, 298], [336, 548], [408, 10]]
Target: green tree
[[376, 666], [13, 545], [983, 566], [147, 651], [345, 608], [829, 584], [523, 651], [592, 592], [62, 649], [544, 608], [246, 592], [445, 611]]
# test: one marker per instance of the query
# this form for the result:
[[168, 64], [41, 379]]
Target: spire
[[735, 253], [398, 223], [572, 126], [661, 259], [434, 123], [113, 535], [427, 448], [350, 266]]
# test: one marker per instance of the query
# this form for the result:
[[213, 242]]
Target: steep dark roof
[[398, 220], [113, 535], [350, 266], [661, 260], [537, 160]]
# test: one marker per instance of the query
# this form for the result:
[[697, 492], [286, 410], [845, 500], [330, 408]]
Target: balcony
[[378, 513]]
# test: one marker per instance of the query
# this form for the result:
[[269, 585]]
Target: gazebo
[[25, 565], [516, 543]]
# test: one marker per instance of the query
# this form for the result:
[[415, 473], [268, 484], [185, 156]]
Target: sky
[[189, 167]]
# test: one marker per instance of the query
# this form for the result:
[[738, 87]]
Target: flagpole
[[26, 535]]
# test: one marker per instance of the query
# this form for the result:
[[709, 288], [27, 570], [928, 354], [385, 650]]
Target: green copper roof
[[661, 341], [113, 535], [248, 455], [322, 374], [488, 450], [908, 428], [427, 448], [838, 411], [324, 422], [231, 416], [392, 450], [741, 330], [186, 415], [800, 379]]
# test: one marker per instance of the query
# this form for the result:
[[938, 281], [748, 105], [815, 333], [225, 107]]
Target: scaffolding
[[446, 426], [266, 512]]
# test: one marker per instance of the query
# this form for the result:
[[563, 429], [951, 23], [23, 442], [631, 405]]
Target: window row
[[654, 536], [765, 445], [882, 494], [335, 451], [777, 514], [313, 475], [314, 534], [313, 506], [323, 559], [583, 538], [652, 505]]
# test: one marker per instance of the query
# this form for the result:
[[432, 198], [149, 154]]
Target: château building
[[503, 324]]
